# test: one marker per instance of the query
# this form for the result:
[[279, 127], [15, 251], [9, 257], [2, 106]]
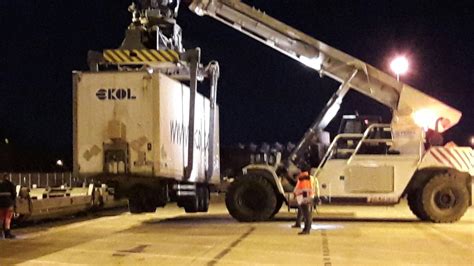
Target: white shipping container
[[147, 116]]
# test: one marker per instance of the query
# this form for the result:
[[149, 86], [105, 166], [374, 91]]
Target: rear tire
[[445, 198], [416, 205], [203, 198], [196, 203], [141, 200], [190, 204], [136, 201], [251, 198]]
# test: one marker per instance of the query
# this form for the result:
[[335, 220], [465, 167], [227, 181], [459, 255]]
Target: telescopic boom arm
[[351, 72]]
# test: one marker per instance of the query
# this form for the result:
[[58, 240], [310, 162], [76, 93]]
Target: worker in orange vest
[[304, 193]]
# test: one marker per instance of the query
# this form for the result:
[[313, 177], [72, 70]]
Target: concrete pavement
[[340, 236]]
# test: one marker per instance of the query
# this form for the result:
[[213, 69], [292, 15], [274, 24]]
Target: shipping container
[[132, 128]]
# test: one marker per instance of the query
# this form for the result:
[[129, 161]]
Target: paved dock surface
[[340, 236]]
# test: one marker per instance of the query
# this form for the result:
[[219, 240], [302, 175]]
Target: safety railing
[[361, 139], [333, 144], [44, 180], [365, 136]]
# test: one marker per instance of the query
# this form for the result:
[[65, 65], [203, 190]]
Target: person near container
[[7, 203], [304, 193]]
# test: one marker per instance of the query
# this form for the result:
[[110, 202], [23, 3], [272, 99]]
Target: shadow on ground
[[70, 219], [210, 219]]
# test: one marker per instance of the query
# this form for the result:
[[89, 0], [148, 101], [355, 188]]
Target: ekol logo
[[115, 94]]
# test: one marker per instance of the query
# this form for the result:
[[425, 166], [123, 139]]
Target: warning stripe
[[147, 55], [470, 158], [140, 55], [164, 54], [438, 157], [453, 158], [456, 158], [124, 56], [154, 54], [463, 159], [445, 157], [112, 57]]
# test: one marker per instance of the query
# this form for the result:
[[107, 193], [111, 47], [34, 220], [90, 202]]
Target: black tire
[[251, 198], [135, 202], [141, 200], [150, 200], [203, 198], [416, 205], [445, 198], [278, 206], [150, 207], [191, 204]]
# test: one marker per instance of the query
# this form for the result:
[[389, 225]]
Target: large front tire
[[251, 198], [445, 198], [277, 206]]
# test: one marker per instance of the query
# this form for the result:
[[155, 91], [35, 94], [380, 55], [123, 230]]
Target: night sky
[[263, 95]]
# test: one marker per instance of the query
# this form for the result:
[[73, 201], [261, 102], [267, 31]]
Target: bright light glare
[[472, 140], [59, 163], [399, 65], [425, 118], [315, 62]]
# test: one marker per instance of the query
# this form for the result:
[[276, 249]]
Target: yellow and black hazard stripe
[[137, 56]]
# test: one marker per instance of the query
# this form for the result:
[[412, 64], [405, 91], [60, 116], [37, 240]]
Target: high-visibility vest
[[304, 188]]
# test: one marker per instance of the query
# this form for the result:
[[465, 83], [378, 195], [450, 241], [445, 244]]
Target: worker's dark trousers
[[308, 218], [304, 211]]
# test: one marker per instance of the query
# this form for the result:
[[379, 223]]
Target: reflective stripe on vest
[[5, 194]]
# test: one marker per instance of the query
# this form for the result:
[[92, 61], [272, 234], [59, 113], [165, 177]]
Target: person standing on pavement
[[304, 193], [7, 203]]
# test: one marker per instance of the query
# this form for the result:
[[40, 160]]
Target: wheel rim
[[445, 199]]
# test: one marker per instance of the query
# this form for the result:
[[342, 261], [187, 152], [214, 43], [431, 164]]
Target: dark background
[[263, 95]]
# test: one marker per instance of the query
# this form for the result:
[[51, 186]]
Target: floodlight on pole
[[399, 66]]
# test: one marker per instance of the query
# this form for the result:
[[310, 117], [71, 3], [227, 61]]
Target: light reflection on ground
[[316, 226]]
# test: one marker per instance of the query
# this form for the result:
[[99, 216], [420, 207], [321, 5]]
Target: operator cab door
[[371, 172]]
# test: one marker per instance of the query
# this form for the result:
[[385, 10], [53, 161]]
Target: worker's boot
[[8, 234], [2, 235], [296, 226]]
